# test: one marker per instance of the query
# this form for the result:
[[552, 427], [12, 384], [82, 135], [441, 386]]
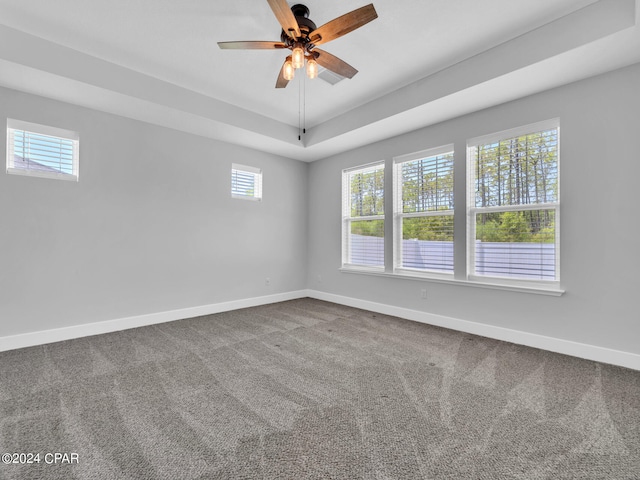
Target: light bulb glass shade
[[288, 72], [312, 68], [297, 57]]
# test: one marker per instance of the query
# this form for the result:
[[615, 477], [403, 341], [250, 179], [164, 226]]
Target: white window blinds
[[514, 211], [363, 216], [246, 182], [40, 150], [424, 209]]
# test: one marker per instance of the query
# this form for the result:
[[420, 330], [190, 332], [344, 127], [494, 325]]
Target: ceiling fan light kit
[[288, 70], [301, 36], [312, 68], [297, 57]]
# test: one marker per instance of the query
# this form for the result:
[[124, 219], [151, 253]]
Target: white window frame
[[347, 219], [255, 173], [14, 126], [472, 210], [399, 215]]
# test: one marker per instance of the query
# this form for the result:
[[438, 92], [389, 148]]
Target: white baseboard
[[567, 347], [76, 331]]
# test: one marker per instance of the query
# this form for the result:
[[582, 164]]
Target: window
[[363, 216], [512, 231], [513, 205], [246, 182], [41, 151], [423, 207]]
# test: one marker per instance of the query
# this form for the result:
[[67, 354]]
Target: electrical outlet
[[319, 278], [423, 293], [267, 281]]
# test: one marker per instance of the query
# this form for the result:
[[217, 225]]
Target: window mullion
[[434, 213], [514, 208]]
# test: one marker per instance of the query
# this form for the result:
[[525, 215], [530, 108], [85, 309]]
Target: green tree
[[535, 226], [367, 193], [514, 228], [433, 228], [517, 171], [488, 231], [369, 228]]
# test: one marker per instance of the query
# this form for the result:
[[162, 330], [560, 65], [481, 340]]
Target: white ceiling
[[420, 62]]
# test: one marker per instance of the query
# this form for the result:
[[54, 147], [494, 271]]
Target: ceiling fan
[[301, 36]]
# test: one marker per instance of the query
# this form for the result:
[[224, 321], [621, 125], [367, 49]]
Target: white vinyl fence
[[498, 259]]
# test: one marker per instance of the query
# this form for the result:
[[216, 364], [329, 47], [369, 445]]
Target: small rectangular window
[[363, 216], [42, 151], [514, 204], [423, 207], [246, 182]]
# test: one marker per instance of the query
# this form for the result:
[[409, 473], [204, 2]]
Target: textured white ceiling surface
[[158, 61]]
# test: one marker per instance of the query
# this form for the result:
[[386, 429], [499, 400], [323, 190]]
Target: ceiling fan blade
[[344, 24], [333, 63], [282, 82], [251, 45], [285, 17]]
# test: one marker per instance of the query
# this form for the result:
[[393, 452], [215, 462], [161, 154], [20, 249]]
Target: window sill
[[536, 289], [246, 197], [42, 174]]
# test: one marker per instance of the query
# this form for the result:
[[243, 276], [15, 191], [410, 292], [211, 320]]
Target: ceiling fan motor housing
[[301, 12]]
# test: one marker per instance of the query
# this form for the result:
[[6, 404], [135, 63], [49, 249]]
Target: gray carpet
[[312, 390]]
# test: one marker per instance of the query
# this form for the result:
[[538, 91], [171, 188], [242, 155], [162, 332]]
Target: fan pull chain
[[299, 107], [302, 107]]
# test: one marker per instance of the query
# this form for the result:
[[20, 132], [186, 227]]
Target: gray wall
[[600, 260], [150, 227]]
